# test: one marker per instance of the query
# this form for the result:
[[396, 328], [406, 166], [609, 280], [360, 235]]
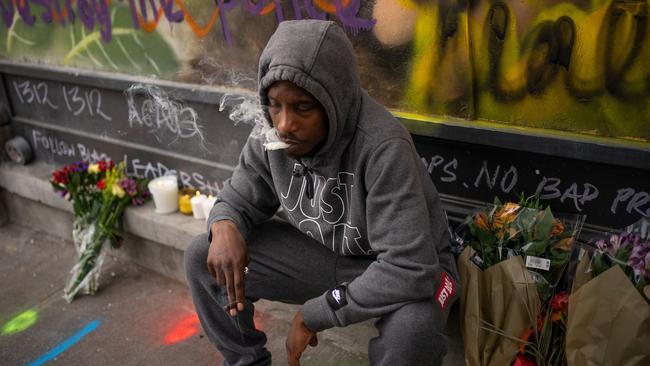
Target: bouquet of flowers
[[525, 229], [609, 311], [99, 193], [513, 259]]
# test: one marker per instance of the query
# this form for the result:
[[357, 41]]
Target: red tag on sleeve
[[446, 290]]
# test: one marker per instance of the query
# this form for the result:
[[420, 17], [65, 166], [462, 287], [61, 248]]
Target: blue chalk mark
[[65, 345]]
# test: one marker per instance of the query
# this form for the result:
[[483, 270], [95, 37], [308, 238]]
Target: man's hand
[[298, 339], [227, 258]]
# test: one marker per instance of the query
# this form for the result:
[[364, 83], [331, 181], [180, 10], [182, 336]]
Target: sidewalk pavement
[[137, 318]]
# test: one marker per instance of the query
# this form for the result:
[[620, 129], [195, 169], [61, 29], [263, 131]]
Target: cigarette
[[273, 142]]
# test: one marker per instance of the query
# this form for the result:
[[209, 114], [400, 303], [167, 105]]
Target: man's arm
[[248, 198], [399, 223], [227, 258]]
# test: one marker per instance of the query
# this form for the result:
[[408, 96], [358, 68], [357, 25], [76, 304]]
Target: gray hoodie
[[370, 196]]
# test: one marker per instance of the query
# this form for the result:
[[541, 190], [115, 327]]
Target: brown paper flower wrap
[[609, 320], [497, 305]]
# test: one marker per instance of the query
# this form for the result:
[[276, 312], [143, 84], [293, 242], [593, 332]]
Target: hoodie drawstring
[[305, 171]]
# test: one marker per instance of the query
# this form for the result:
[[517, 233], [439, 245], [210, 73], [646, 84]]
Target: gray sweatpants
[[290, 267]]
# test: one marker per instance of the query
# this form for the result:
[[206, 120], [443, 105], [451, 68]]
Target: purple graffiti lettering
[[134, 14], [86, 13], [223, 8], [7, 12], [47, 15], [279, 14], [97, 12], [296, 9], [104, 20], [25, 13], [348, 16], [143, 9], [312, 12], [253, 8], [168, 7]]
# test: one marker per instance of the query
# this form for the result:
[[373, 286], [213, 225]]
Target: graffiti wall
[[577, 65]]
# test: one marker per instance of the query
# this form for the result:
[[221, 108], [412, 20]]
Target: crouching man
[[365, 235]]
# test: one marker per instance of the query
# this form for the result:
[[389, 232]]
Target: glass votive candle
[[164, 191], [207, 206], [197, 205]]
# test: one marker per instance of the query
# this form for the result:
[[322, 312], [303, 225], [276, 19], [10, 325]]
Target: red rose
[[522, 360], [560, 302], [60, 177], [102, 165], [101, 184]]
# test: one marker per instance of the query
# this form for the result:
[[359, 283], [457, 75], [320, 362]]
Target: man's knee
[[196, 255], [420, 320], [413, 334]]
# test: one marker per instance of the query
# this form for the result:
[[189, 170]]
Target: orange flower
[[558, 227], [564, 244], [506, 214], [525, 337], [556, 316], [481, 221]]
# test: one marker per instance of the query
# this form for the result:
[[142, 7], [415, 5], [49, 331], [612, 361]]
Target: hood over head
[[317, 56]]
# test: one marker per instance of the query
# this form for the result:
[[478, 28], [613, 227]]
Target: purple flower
[[130, 186], [137, 201], [630, 239], [62, 192], [639, 257], [618, 242], [80, 166]]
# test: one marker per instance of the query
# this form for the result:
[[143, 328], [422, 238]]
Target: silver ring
[[245, 270]]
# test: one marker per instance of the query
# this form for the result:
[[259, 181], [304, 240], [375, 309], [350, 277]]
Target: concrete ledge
[[32, 182], [154, 241]]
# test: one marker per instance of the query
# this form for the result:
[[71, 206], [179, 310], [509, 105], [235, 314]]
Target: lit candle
[[185, 204], [197, 205], [164, 191], [207, 205]]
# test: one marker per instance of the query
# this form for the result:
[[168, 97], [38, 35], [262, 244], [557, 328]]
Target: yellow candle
[[185, 204]]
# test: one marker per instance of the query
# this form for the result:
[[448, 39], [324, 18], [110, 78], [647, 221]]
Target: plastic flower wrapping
[[628, 250], [99, 193], [543, 239]]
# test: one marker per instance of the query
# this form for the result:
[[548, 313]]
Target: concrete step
[[157, 242]]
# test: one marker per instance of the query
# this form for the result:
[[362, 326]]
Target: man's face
[[298, 117]]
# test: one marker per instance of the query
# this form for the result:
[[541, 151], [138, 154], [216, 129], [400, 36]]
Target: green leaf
[[537, 249], [623, 254], [486, 239], [544, 226]]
